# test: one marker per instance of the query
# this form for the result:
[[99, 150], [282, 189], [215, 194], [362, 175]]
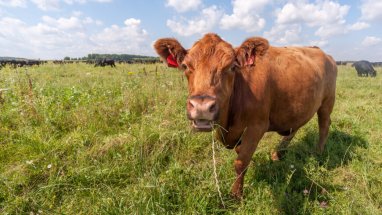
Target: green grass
[[75, 139]]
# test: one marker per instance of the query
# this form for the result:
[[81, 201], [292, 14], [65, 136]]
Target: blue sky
[[53, 29]]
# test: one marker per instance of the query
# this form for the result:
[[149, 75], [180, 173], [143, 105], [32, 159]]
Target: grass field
[[75, 139]]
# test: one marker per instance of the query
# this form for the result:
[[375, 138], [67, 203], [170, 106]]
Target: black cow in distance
[[364, 69], [105, 62]]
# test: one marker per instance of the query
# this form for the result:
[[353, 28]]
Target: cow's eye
[[184, 66], [231, 69]]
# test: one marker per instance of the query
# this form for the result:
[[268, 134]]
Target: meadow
[[75, 139]]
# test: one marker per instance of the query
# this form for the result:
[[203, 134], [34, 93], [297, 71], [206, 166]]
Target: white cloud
[[85, 1], [17, 35], [183, 5], [72, 36], [8, 31], [358, 26], [71, 23], [319, 43], [77, 13], [326, 17], [132, 22], [327, 31], [130, 38], [285, 34], [13, 3], [205, 22], [46, 5], [88, 20], [75, 1], [245, 15], [371, 41], [321, 13], [371, 10]]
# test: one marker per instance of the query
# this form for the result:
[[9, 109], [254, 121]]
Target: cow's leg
[[244, 155], [324, 122], [278, 154]]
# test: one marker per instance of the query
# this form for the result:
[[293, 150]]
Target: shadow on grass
[[300, 179]]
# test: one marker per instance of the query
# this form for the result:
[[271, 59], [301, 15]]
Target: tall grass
[[75, 139]]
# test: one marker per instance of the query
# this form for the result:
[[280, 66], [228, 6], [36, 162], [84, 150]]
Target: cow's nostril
[[213, 108], [190, 104]]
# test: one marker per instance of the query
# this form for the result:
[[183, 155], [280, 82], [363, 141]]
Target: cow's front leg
[[244, 151]]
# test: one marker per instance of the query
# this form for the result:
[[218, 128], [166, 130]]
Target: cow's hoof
[[278, 155], [236, 196], [320, 150], [275, 156]]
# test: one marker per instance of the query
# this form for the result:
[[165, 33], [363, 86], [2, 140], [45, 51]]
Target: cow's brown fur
[[258, 88]]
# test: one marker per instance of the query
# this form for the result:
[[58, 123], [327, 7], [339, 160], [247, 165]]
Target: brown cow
[[253, 89]]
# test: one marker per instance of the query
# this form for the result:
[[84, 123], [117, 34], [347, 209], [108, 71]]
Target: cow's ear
[[171, 51], [250, 49]]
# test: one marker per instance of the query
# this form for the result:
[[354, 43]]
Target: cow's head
[[210, 67], [373, 73]]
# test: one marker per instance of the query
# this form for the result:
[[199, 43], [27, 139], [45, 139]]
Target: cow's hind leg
[[281, 148], [324, 121]]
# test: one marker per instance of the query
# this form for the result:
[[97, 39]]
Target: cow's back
[[299, 81]]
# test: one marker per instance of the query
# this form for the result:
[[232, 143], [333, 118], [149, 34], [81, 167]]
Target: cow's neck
[[228, 132]]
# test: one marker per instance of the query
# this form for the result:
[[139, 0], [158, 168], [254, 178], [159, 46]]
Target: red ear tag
[[171, 62]]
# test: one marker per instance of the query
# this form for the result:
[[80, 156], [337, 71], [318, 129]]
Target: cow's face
[[373, 73], [210, 67]]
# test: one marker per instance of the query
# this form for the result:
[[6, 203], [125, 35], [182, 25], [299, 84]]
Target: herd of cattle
[[98, 62], [363, 68], [20, 63]]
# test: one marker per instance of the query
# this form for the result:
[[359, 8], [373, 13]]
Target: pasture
[[75, 139]]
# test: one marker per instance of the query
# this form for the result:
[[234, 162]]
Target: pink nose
[[202, 107]]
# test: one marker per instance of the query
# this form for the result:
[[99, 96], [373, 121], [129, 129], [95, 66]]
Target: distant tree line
[[119, 57], [376, 64], [128, 58]]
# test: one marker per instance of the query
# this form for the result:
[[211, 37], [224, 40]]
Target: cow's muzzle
[[202, 111]]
